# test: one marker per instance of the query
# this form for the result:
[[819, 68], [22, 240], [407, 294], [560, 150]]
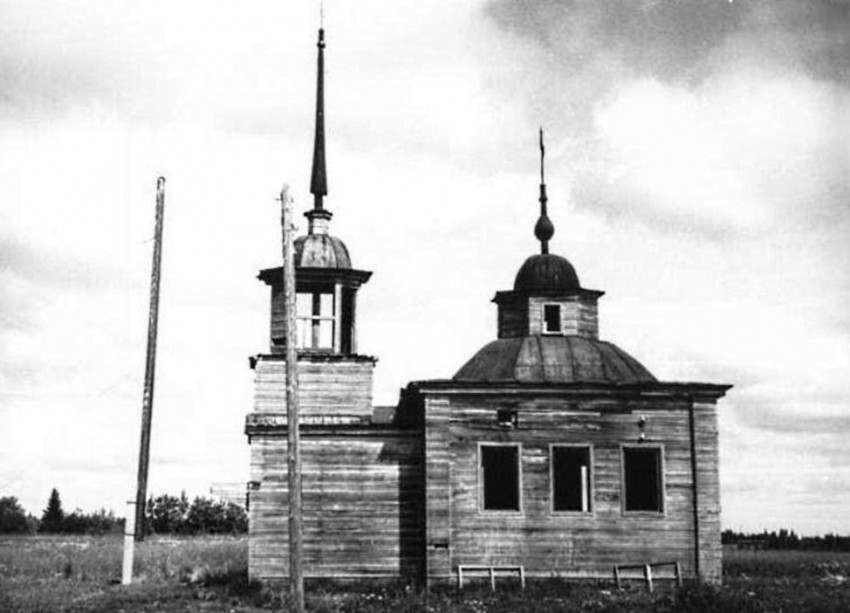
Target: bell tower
[[333, 378]]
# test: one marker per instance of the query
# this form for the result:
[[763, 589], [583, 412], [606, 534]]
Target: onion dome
[[546, 273], [553, 359]]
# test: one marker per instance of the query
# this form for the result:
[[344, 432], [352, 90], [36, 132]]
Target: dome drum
[[552, 313]]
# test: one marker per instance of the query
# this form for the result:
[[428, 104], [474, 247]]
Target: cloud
[[45, 267], [648, 35], [681, 41], [739, 154]]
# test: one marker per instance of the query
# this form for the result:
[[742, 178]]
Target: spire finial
[[543, 229], [318, 180]]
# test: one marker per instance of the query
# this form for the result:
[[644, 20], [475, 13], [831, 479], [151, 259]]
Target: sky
[[697, 171]]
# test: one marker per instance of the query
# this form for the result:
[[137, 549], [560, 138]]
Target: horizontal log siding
[[340, 387], [513, 319], [548, 543], [363, 503], [438, 475], [708, 478], [579, 315]]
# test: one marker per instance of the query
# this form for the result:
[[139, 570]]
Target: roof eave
[[712, 391]]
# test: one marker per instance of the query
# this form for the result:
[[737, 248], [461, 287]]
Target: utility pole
[[296, 577], [150, 365]]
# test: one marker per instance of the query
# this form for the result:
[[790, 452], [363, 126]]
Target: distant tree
[[99, 522], [53, 516], [207, 516], [235, 518], [13, 518], [167, 514]]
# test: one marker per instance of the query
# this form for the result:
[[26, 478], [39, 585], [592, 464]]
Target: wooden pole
[[296, 577], [150, 365]]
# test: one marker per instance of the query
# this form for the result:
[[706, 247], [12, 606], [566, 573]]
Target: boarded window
[[500, 477], [571, 478], [643, 482], [551, 318]]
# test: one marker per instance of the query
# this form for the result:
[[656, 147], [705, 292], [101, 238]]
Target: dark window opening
[[347, 331], [551, 318], [507, 418], [571, 479], [500, 476], [642, 473]]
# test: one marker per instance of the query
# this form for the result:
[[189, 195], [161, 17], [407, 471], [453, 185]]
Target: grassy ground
[[208, 574]]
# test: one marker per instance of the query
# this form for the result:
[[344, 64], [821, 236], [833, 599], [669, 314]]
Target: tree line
[[164, 514], [785, 539]]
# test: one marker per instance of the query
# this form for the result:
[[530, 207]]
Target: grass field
[[209, 574]]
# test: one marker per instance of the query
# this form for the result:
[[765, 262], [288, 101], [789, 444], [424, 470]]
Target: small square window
[[571, 479], [643, 485], [507, 418], [551, 318], [500, 477]]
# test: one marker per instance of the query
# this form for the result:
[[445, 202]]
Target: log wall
[[342, 386], [363, 502], [570, 544], [579, 315], [524, 316], [513, 318], [708, 479]]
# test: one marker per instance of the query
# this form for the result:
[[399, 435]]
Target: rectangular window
[[551, 318], [500, 477], [643, 485], [571, 478], [315, 320]]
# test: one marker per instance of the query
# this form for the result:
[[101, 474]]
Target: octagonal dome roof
[[553, 359], [321, 251]]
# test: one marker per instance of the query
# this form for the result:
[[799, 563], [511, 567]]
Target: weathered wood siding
[[569, 544], [708, 479], [513, 319], [363, 504], [438, 475], [342, 386], [579, 315]]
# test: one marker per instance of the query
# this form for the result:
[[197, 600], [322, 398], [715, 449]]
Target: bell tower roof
[[318, 249], [326, 285]]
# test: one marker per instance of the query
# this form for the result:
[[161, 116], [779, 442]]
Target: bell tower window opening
[[551, 319], [315, 313]]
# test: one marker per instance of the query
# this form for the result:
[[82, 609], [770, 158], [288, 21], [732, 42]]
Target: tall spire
[[543, 229], [318, 180]]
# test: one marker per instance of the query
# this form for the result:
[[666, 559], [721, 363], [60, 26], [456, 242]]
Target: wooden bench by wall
[[492, 570], [647, 572]]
